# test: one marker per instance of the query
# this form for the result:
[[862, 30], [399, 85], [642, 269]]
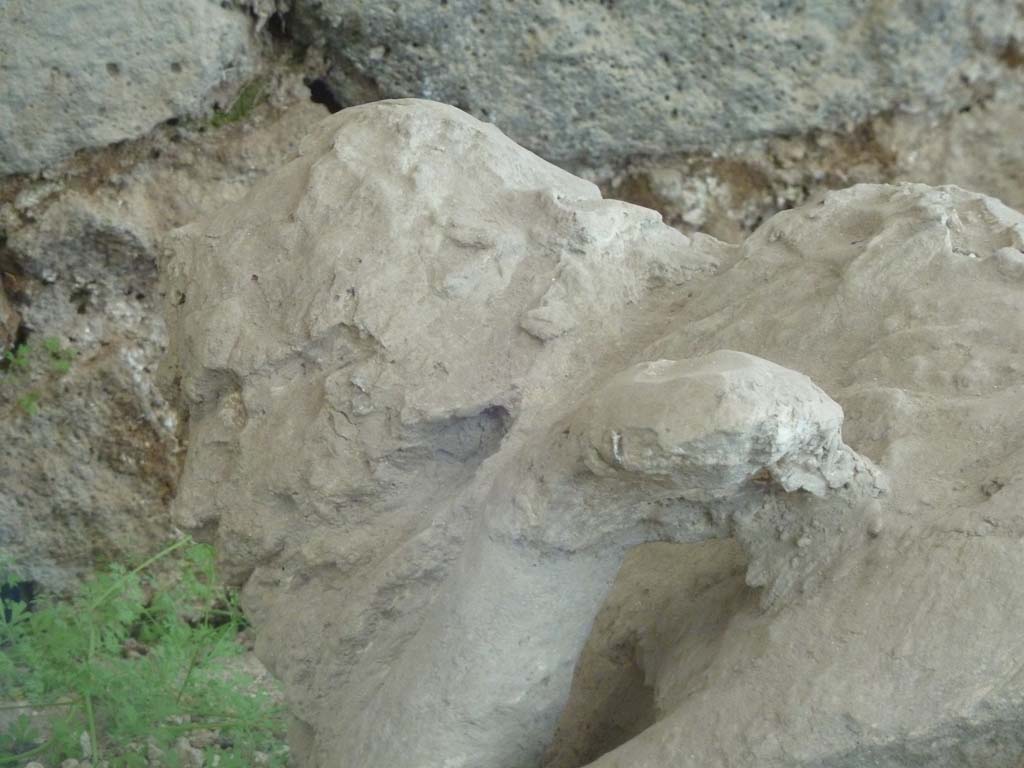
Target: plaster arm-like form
[[726, 444]]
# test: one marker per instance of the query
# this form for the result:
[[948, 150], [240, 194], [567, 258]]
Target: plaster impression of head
[[430, 408]]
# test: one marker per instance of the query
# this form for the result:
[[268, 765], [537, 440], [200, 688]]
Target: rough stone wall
[[729, 193], [80, 75], [606, 81]]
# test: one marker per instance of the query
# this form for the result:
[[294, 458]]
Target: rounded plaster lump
[[713, 423]]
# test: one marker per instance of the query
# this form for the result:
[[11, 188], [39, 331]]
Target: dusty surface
[[437, 492]]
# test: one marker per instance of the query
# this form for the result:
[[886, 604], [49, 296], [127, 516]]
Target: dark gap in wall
[[276, 27], [320, 93], [1012, 56], [82, 297]]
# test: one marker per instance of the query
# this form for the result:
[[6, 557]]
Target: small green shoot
[[26, 359], [18, 358], [60, 356], [251, 95], [29, 403]]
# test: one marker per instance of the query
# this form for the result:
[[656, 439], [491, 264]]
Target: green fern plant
[[129, 666]]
